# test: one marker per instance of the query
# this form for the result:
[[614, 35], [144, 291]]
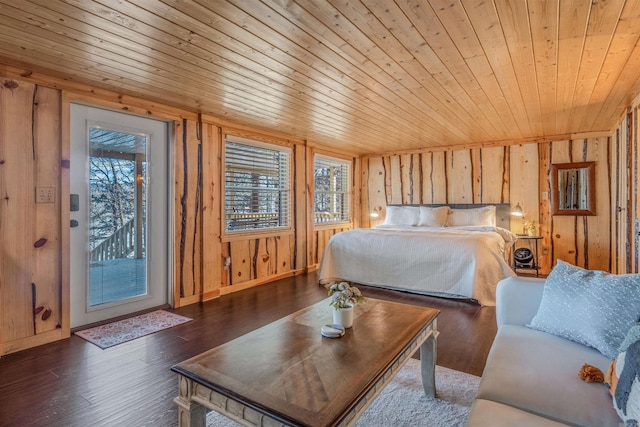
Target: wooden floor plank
[[73, 382]]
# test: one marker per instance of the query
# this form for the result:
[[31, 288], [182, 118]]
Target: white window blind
[[257, 185], [331, 190]]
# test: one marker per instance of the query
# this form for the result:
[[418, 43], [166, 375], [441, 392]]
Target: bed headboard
[[503, 210]]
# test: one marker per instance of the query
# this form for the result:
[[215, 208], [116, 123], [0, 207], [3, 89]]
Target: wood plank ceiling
[[367, 76]]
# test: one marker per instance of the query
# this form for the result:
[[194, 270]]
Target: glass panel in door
[[117, 216]]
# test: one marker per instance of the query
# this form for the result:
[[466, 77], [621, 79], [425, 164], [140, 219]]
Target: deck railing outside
[[120, 244], [327, 217]]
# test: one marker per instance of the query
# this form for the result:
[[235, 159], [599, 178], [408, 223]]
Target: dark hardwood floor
[[75, 383]]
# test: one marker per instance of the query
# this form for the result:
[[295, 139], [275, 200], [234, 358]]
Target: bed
[[455, 251]]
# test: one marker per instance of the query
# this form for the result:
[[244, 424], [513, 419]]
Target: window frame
[[228, 235], [347, 192]]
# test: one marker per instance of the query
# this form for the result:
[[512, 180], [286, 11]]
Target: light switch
[[45, 195]]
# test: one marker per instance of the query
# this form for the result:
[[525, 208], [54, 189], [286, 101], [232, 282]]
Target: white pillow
[[402, 215], [433, 217], [484, 216]]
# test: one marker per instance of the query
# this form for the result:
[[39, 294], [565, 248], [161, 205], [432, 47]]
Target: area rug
[[403, 403], [115, 333]]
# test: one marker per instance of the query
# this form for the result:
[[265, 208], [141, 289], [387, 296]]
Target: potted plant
[[530, 228], [343, 298]]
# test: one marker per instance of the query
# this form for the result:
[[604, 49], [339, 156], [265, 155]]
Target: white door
[[119, 214]]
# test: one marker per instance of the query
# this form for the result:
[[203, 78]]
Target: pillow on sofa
[[593, 308], [402, 215], [624, 378], [433, 217], [483, 216]]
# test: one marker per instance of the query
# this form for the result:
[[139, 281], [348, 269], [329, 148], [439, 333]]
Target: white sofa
[[531, 377]]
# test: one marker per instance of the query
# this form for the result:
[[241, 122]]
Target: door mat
[[115, 333]]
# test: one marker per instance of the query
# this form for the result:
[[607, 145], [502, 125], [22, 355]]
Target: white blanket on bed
[[465, 262]]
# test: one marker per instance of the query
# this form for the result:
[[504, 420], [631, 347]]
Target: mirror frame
[[591, 189]]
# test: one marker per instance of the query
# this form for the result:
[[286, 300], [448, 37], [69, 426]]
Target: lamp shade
[[517, 210]]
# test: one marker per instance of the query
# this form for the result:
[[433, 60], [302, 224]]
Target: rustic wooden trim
[[308, 222], [636, 183], [612, 205], [187, 226], [365, 185], [333, 226], [476, 175], [386, 168], [241, 235], [239, 129], [65, 243], [197, 221], [405, 190], [90, 95], [357, 198], [617, 202], [252, 283], [446, 180], [501, 143], [256, 136], [183, 209], [546, 255], [431, 178], [300, 209], [585, 241], [630, 183], [212, 260], [332, 151], [506, 171], [41, 338]]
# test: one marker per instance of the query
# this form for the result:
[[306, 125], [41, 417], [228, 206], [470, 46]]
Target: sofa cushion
[[625, 378], [538, 373], [593, 308], [488, 413]]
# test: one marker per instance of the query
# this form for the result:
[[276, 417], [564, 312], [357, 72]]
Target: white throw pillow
[[484, 216], [433, 217], [402, 215]]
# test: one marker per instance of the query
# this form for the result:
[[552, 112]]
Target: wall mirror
[[573, 189]]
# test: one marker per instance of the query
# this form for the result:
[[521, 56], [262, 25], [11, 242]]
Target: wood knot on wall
[[10, 84]]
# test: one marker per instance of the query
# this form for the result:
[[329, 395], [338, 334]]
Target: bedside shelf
[[535, 264]]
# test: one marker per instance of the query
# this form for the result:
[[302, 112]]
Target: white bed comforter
[[462, 262]]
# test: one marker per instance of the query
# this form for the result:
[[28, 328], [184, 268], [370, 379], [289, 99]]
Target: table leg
[[428, 352], [190, 414]]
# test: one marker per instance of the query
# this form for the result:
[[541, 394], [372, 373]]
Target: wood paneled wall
[[187, 168], [510, 174], [30, 158], [625, 192]]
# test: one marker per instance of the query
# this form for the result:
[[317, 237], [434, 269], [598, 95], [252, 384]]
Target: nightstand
[[523, 258]]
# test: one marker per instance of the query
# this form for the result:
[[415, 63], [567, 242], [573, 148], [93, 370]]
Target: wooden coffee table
[[287, 374]]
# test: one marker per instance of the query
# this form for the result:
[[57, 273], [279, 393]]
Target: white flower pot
[[343, 316]]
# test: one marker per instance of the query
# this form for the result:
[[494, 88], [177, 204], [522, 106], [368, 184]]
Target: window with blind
[[257, 185], [331, 190]]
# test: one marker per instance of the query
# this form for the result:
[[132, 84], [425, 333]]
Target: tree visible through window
[[114, 166], [257, 185], [331, 190]]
